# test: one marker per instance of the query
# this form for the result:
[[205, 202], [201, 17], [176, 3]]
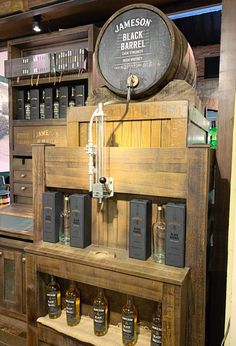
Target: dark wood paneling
[[223, 172]]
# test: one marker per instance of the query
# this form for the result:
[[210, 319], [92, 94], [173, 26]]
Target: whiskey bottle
[[72, 97], [56, 106], [27, 107], [42, 106], [158, 236], [129, 322], [53, 298], [64, 234], [72, 305], [100, 313], [156, 330]]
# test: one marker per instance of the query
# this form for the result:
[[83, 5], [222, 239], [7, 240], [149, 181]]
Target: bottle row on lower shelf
[[100, 313], [67, 219]]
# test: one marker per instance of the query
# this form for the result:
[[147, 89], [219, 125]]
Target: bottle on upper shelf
[[53, 298], [156, 329], [27, 106], [56, 105], [129, 322], [64, 234], [158, 236], [42, 105], [72, 305], [100, 313], [72, 97]]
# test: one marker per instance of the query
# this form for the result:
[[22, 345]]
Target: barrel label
[[135, 42], [133, 22]]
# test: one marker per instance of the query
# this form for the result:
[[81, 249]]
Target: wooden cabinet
[[23, 133], [143, 168], [12, 278]]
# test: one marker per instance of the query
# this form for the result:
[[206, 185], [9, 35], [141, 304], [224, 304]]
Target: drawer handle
[[23, 175], [23, 259], [1, 253], [23, 188]]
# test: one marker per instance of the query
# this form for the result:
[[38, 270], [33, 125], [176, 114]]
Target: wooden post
[[196, 239], [38, 173], [31, 300], [227, 88]]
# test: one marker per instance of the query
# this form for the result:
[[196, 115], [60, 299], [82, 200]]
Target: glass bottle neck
[[129, 300], [66, 203]]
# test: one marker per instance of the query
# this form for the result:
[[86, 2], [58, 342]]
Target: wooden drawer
[[23, 176], [22, 164], [23, 189]]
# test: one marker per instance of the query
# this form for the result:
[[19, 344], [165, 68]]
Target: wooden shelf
[[84, 331], [45, 80], [39, 122], [115, 260]]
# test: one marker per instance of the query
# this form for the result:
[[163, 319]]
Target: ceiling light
[[37, 23]]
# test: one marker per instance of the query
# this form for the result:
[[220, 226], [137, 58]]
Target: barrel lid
[[137, 40]]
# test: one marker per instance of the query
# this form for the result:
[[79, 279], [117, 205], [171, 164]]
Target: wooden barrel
[[140, 41]]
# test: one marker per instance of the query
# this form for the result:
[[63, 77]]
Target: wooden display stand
[[144, 161]]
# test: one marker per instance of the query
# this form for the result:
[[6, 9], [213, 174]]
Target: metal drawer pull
[[23, 188], [1, 253], [23, 259], [23, 175]]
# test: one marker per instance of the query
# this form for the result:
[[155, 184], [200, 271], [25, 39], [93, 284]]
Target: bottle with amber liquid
[[64, 233], [100, 313], [156, 330], [158, 236], [53, 298], [129, 322], [72, 305]]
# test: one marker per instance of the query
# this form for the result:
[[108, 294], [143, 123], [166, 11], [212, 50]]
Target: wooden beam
[[227, 88]]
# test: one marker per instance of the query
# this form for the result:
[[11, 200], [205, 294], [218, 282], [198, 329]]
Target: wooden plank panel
[[126, 134], [146, 134], [117, 133], [24, 137], [120, 282], [165, 133], [72, 134], [155, 133], [136, 111], [135, 133], [142, 171], [83, 134], [123, 224], [178, 132]]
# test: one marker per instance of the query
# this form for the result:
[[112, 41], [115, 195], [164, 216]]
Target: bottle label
[[127, 328], [42, 111], [53, 303], [70, 310], [99, 319], [156, 336], [27, 111], [56, 110]]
